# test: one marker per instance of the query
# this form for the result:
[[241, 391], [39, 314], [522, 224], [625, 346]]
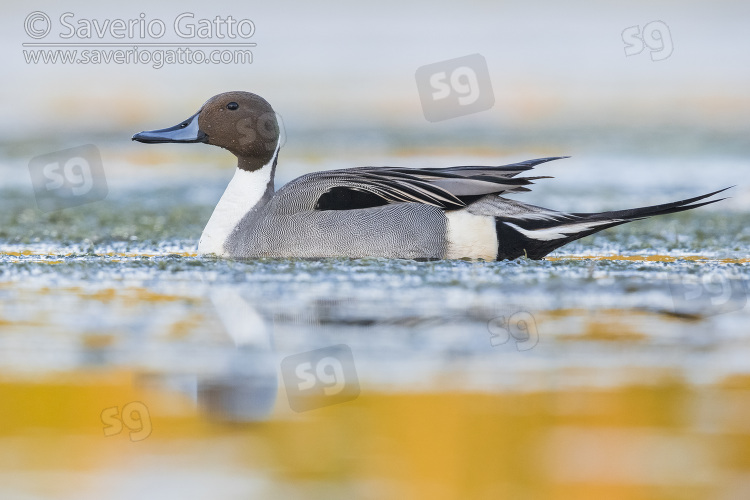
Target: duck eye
[[233, 106]]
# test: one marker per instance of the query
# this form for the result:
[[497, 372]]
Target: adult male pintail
[[394, 212]]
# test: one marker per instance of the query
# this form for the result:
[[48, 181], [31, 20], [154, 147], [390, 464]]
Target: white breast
[[244, 191]]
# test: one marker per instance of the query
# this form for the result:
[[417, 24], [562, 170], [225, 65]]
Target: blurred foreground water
[[617, 368]]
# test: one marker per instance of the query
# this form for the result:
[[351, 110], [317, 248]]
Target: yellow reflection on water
[[670, 440]]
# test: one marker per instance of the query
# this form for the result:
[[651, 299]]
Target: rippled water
[[616, 368], [491, 378]]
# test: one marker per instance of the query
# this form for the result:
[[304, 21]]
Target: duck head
[[240, 122]]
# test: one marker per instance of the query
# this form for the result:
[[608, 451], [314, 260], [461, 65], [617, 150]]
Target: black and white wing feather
[[364, 187]]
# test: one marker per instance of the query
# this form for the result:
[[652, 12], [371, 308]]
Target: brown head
[[240, 122]]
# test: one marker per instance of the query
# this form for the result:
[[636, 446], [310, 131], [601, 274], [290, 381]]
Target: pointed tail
[[535, 231]]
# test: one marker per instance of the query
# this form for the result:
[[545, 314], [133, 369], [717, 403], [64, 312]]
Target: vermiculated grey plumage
[[398, 231], [400, 213]]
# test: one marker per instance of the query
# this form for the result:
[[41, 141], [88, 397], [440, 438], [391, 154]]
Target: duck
[[429, 213]]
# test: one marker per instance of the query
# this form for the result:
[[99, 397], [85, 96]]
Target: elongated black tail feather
[[663, 209], [537, 233]]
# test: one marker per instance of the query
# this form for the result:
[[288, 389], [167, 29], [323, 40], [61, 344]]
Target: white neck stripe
[[244, 191]]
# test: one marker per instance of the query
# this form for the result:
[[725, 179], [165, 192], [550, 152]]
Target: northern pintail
[[393, 212]]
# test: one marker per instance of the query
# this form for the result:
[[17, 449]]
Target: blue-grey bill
[[186, 131]]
